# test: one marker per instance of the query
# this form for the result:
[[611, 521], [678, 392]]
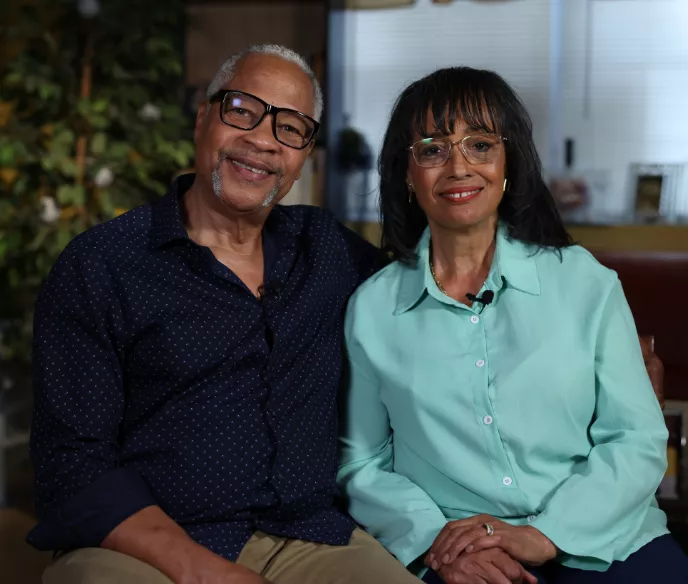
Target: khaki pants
[[278, 560]]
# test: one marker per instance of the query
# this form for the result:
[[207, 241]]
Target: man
[[187, 360]]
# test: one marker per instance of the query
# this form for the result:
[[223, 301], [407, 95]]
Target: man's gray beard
[[217, 185]]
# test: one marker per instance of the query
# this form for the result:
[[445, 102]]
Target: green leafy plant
[[91, 125]]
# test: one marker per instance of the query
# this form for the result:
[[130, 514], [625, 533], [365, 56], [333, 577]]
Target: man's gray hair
[[226, 70]]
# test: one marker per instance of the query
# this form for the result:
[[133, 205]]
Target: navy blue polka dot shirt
[[161, 380]]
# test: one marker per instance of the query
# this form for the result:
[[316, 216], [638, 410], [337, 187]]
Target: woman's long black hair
[[483, 100]]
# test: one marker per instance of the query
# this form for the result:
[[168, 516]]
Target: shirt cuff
[[571, 549], [88, 517], [416, 544]]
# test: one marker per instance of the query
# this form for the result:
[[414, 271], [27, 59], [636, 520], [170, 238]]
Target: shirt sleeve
[[82, 492], [593, 515], [388, 505]]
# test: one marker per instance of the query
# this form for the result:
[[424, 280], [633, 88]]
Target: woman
[[498, 396]]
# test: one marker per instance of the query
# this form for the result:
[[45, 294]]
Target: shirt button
[[487, 420], [480, 363], [475, 319], [531, 518], [506, 481]]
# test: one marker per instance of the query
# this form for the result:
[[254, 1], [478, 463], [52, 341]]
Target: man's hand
[[493, 566], [153, 537], [219, 571], [523, 543]]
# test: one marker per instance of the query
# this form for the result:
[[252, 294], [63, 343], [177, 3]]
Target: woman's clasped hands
[[465, 538]]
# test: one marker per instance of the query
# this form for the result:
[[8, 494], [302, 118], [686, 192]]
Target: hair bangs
[[450, 102]]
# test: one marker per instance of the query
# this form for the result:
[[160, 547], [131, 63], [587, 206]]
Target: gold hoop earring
[[506, 185]]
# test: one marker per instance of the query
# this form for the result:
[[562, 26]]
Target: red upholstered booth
[[656, 285]]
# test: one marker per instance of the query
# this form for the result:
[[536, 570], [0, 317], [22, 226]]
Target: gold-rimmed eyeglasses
[[477, 149], [245, 111]]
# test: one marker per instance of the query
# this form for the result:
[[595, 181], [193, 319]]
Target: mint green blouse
[[536, 409]]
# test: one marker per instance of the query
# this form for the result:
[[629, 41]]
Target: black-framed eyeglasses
[[477, 149], [245, 111]]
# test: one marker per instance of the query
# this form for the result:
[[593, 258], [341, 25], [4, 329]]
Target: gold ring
[[488, 528]]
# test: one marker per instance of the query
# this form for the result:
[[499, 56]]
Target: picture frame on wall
[[654, 189], [675, 481]]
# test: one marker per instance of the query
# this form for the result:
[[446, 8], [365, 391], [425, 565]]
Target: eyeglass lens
[[479, 149], [244, 112]]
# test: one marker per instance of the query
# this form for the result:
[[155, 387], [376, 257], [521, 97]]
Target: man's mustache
[[251, 154]]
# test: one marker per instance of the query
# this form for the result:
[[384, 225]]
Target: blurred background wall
[[610, 74]]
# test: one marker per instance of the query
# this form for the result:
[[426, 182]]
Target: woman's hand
[[493, 566], [523, 543]]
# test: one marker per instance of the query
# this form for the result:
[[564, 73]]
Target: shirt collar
[[413, 283], [167, 224], [167, 217], [513, 266]]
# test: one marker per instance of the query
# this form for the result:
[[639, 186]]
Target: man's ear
[[201, 114], [308, 151]]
